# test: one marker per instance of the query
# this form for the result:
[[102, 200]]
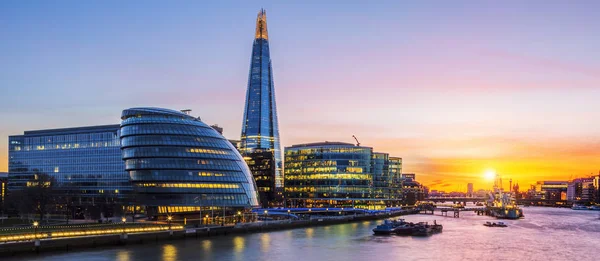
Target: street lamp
[[239, 216], [35, 227], [169, 218], [123, 219], [289, 217]]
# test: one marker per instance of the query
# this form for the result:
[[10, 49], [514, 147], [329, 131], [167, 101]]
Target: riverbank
[[78, 243]]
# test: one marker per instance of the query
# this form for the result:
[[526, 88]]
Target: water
[[544, 234]]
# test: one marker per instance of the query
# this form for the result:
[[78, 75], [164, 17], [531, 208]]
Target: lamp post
[[124, 220], [35, 227], [289, 217], [239, 216], [266, 212], [169, 218]]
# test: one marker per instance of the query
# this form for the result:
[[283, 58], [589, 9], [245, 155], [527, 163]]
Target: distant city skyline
[[454, 88]]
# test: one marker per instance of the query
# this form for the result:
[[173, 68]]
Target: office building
[[338, 174], [85, 162], [262, 166], [180, 165], [469, 189], [550, 190], [260, 127]]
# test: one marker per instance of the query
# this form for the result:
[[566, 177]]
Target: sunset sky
[[453, 87]]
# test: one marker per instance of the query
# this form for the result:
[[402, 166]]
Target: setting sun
[[489, 174]]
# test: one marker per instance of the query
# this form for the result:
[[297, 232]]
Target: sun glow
[[489, 174]]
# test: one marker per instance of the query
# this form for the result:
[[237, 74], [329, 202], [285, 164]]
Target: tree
[[39, 196]]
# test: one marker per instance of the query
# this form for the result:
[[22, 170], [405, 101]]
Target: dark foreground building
[[180, 165], [262, 165], [85, 162], [260, 127]]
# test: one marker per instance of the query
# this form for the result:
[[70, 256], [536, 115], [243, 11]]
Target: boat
[[404, 230], [494, 224], [436, 228], [595, 207], [579, 207], [387, 228], [422, 230]]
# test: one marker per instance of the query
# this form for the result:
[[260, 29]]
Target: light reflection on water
[[169, 253], [544, 234]]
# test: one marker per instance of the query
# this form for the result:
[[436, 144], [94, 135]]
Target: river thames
[[544, 234]]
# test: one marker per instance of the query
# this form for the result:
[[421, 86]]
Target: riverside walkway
[[67, 238]]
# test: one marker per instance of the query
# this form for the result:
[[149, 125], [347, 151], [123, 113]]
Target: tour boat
[[386, 228], [579, 207]]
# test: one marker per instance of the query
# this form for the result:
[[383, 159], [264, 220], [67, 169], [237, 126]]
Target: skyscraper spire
[[260, 128], [261, 25]]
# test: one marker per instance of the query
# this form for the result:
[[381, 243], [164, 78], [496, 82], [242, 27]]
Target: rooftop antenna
[[357, 143]]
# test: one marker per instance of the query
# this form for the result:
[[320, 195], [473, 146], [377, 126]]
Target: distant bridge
[[456, 199]]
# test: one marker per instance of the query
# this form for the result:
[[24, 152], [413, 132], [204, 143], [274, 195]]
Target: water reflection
[[239, 243], [544, 234], [309, 232], [123, 255], [169, 253], [265, 242]]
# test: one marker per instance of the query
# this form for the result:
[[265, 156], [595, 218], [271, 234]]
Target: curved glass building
[[179, 164]]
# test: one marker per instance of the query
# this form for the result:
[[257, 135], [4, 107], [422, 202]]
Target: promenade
[[71, 238]]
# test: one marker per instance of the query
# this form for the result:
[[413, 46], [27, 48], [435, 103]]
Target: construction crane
[[357, 143]]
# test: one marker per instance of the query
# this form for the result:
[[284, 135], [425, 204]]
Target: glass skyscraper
[[179, 164], [85, 162], [260, 129]]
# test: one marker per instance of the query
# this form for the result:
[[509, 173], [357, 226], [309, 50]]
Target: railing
[[48, 232]]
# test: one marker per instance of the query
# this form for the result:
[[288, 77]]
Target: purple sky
[[453, 87]]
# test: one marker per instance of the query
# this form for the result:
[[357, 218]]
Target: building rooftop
[[72, 130], [323, 143]]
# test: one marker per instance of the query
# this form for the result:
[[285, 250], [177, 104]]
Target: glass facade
[[85, 161], [178, 163], [338, 174], [382, 180], [260, 128]]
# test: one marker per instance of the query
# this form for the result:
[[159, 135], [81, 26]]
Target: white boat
[[579, 207]]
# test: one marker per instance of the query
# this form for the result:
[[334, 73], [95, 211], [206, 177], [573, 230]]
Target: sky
[[453, 87]]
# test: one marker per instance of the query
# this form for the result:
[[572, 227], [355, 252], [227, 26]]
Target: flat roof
[[72, 130], [325, 143]]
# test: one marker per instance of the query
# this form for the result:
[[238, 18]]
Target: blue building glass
[[179, 164], [85, 161], [260, 129]]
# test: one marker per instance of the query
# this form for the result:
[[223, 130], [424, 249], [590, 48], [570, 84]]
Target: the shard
[[260, 130]]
